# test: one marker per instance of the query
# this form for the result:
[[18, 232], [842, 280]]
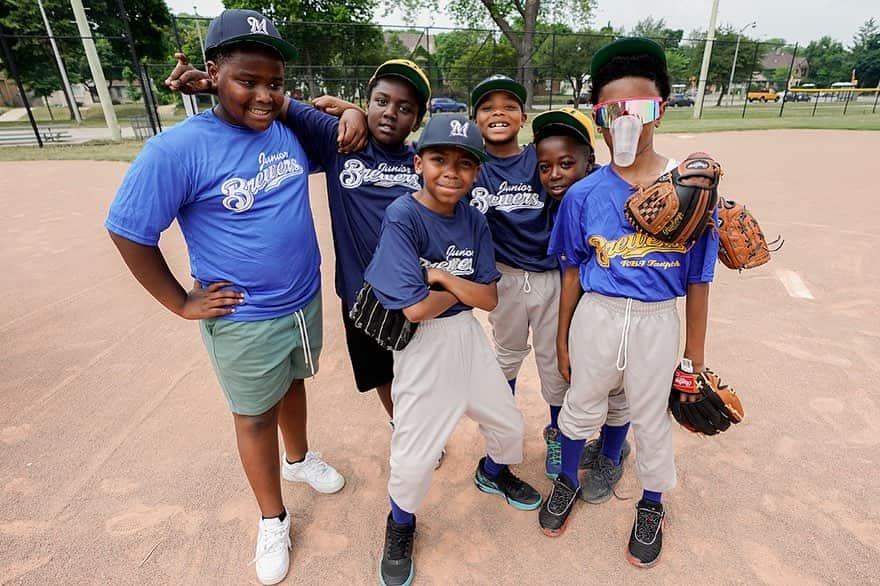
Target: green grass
[[95, 150]]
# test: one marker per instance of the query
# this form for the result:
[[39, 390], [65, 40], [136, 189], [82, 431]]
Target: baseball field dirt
[[118, 461]]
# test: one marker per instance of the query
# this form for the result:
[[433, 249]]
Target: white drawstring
[[624, 336], [304, 337], [527, 287]]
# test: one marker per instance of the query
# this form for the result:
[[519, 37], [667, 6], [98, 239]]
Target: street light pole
[[752, 24]]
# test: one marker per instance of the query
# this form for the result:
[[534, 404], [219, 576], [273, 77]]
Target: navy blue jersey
[[359, 187], [520, 213], [414, 237]]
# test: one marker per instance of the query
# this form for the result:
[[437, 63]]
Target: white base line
[[794, 284]]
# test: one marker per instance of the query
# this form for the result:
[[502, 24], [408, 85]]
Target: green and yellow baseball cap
[[498, 83], [626, 46], [566, 121], [409, 71]]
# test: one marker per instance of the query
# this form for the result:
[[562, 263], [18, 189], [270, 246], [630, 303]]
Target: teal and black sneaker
[[553, 464], [519, 494], [396, 567]]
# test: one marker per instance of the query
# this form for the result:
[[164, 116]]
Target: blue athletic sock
[[613, 442], [512, 383], [400, 516], [491, 468], [554, 415], [571, 457], [656, 497]]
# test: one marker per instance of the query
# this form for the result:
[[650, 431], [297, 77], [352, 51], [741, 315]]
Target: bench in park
[[26, 136]]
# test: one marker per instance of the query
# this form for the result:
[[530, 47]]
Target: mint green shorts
[[256, 361]]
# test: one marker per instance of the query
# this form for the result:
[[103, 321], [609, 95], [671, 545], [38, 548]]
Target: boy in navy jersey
[[253, 252], [448, 369], [566, 154], [618, 320]]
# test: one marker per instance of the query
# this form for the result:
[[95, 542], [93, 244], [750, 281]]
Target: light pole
[[752, 24]]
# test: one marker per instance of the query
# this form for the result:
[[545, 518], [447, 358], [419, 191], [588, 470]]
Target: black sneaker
[[518, 493], [594, 448], [600, 480], [554, 514], [646, 539], [396, 567]]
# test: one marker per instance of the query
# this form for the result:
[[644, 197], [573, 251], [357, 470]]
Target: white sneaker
[[319, 474], [272, 558]]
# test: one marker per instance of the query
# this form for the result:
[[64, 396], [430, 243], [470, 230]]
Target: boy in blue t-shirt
[[520, 213], [618, 320], [253, 253], [448, 369], [566, 154]]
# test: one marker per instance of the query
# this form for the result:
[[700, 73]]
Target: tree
[[723, 50], [657, 30], [567, 55], [866, 54], [518, 22], [828, 62], [320, 46]]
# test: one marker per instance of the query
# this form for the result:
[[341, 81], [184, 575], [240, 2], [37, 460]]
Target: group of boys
[[467, 218]]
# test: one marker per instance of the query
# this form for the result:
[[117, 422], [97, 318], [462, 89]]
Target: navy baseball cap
[[455, 131], [238, 26], [498, 83]]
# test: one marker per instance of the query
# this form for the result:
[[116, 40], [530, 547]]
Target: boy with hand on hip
[[618, 322], [448, 369], [566, 152], [245, 216]]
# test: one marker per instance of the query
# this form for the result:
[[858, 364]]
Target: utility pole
[[752, 24], [68, 93], [707, 56], [85, 32]]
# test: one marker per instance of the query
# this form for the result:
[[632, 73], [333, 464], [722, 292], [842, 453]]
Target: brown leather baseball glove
[[678, 206], [741, 241]]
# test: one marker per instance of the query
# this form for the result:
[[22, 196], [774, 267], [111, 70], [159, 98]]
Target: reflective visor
[[647, 109]]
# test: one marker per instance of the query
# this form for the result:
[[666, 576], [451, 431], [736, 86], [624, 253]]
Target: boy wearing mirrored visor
[[566, 154], [623, 330]]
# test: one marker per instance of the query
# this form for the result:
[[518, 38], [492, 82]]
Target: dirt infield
[[118, 461]]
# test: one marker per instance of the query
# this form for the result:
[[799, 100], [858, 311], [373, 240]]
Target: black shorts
[[372, 364]]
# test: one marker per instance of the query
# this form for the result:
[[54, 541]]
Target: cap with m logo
[[240, 26]]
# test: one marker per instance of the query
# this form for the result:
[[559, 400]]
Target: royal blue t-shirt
[[592, 233], [359, 187], [242, 201], [520, 213], [414, 237]]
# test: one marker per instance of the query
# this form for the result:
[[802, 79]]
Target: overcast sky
[[794, 20]]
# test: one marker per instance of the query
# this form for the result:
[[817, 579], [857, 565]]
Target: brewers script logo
[[634, 246], [274, 170], [355, 173], [456, 128], [510, 197], [257, 25], [459, 261]]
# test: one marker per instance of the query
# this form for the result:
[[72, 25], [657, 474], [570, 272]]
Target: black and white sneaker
[[396, 567], [518, 493], [646, 539], [553, 516]]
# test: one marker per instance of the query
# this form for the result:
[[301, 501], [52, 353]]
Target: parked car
[[795, 97], [762, 96], [447, 105], [680, 100], [582, 99]]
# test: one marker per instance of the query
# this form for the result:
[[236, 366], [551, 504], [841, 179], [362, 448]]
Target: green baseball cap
[[497, 83], [409, 71], [626, 46]]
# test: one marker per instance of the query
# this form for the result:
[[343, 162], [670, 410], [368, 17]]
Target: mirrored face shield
[[646, 109]]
